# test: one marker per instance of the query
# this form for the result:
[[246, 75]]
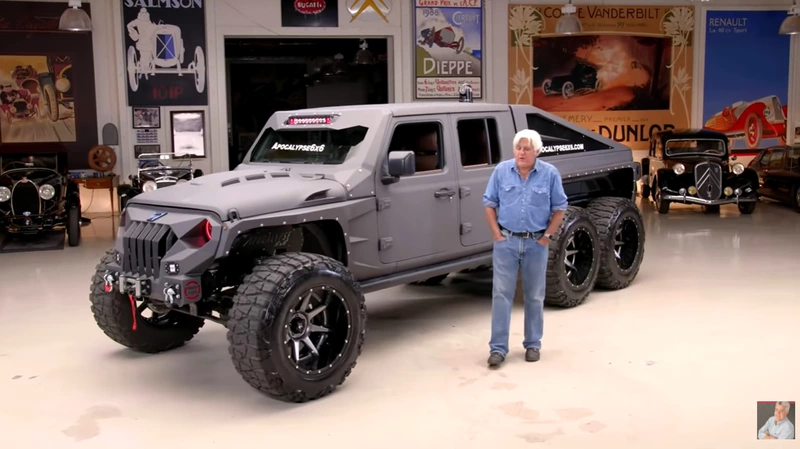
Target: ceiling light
[[568, 23], [74, 18], [791, 24]]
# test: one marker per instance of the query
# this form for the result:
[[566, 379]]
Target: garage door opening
[[265, 75]]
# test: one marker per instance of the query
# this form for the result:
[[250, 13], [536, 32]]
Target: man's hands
[[499, 237], [767, 436], [544, 241]]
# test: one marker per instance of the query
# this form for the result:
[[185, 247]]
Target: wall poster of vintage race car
[[752, 121], [37, 102]]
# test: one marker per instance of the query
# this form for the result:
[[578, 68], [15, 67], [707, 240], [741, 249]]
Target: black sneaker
[[495, 359], [532, 355]]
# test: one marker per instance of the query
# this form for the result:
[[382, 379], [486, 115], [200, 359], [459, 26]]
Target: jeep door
[[481, 141], [418, 214]]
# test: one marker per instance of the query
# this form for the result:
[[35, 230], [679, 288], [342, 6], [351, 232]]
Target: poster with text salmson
[[165, 52], [626, 76], [448, 43]]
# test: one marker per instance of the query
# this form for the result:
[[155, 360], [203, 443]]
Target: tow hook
[[170, 294], [108, 282]]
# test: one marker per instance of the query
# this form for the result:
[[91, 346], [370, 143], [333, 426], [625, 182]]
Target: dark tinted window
[[478, 141], [763, 160], [307, 146], [776, 159], [424, 139], [793, 159], [559, 139], [679, 147]]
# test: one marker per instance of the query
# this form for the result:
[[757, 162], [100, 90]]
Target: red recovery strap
[[133, 310]]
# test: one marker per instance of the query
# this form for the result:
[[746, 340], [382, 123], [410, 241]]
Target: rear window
[[679, 147], [307, 146]]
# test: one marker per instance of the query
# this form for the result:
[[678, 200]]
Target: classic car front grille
[[145, 244], [708, 180], [25, 199]]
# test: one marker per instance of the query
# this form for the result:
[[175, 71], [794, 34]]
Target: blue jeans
[[509, 256]]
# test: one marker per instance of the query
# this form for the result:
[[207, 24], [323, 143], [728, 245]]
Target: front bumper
[[161, 254], [678, 197]]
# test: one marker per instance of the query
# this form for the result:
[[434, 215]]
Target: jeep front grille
[[144, 245], [25, 199], [708, 179]]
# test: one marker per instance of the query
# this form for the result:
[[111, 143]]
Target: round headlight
[[738, 168], [5, 194], [678, 168], [47, 192], [149, 186]]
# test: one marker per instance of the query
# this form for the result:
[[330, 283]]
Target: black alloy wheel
[[578, 257], [573, 260], [318, 329]]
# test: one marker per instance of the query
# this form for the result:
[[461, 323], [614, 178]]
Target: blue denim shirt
[[782, 431], [525, 205]]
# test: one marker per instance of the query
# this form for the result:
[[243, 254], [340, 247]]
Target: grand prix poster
[[628, 75], [746, 78], [448, 47]]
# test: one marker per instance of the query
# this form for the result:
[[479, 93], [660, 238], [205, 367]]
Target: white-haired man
[[778, 426], [525, 203]]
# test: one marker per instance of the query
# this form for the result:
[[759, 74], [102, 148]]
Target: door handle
[[442, 193]]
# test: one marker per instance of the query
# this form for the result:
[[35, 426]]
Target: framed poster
[[746, 78], [310, 13], [188, 133], [165, 53], [448, 48], [146, 118]]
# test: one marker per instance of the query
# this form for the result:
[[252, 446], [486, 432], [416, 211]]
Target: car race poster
[[165, 52], [746, 78], [448, 42], [628, 75]]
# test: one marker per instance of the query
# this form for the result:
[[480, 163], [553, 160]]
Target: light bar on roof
[[312, 120]]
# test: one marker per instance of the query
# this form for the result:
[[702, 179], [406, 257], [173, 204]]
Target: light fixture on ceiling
[[74, 18], [791, 24], [568, 23], [364, 56]]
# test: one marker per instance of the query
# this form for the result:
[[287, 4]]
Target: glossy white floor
[[679, 359]]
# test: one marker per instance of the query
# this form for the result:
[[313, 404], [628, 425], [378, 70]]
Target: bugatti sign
[[309, 13]]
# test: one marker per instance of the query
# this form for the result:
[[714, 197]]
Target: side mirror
[[401, 163]]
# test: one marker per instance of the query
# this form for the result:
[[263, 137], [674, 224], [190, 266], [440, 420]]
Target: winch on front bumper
[[161, 254]]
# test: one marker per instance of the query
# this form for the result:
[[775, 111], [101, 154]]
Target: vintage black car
[[37, 194], [157, 171], [695, 167], [778, 171], [582, 77]]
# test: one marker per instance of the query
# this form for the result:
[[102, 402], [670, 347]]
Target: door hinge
[[466, 228], [384, 243], [464, 192], [384, 203]]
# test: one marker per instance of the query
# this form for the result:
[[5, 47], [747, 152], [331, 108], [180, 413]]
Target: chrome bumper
[[695, 200]]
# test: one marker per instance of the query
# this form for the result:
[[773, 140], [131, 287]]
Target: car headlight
[[678, 168], [149, 186], [5, 194], [47, 192], [738, 168], [181, 181]]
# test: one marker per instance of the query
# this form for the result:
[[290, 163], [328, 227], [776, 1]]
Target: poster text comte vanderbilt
[[175, 4], [607, 12]]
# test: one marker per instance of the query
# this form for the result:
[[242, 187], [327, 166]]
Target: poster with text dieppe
[[448, 41], [746, 81]]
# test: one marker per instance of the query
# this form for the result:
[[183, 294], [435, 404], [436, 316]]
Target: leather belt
[[525, 235]]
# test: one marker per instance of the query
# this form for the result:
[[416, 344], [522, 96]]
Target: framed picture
[[138, 150], [146, 118], [188, 133]]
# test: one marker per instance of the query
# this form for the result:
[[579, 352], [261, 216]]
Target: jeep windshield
[[695, 147], [307, 146]]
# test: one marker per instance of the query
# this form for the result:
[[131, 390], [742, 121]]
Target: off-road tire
[[559, 292], [611, 215], [747, 208], [113, 314], [73, 226], [256, 329], [436, 280]]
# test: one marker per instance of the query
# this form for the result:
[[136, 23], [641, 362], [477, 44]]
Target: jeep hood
[[251, 192]]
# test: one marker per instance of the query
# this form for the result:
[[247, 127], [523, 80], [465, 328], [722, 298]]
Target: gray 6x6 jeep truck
[[332, 203]]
